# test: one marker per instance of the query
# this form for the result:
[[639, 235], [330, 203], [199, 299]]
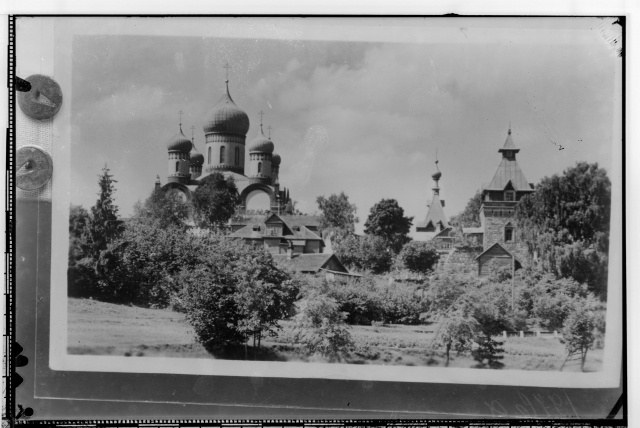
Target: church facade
[[254, 166]]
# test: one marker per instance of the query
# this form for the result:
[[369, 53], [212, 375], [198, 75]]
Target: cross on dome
[[269, 130], [226, 66]]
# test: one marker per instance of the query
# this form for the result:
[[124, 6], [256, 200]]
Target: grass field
[[97, 328]]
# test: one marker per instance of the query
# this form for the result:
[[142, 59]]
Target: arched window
[[237, 156], [508, 233], [222, 154], [177, 166], [259, 167], [209, 156]]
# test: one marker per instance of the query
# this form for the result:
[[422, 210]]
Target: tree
[[470, 216], [168, 208], [565, 224], [419, 256], [321, 328], [387, 221], [215, 201], [578, 334], [457, 333], [81, 279], [104, 225], [364, 253], [337, 212], [234, 292]]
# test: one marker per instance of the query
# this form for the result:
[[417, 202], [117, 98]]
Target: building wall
[[494, 256], [230, 143], [265, 171], [181, 175], [494, 227]]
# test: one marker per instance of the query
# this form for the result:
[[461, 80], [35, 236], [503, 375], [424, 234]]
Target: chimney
[[157, 182], [290, 250]]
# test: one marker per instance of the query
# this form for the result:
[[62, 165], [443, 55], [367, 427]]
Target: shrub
[[321, 328], [418, 256], [365, 253]]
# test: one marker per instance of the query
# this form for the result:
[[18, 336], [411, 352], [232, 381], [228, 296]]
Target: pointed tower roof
[[435, 215], [509, 172], [509, 145]]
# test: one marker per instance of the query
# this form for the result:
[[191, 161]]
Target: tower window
[[209, 156], [508, 234], [222, 154], [177, 166], [259, 167], [237, 156], [510, 196]]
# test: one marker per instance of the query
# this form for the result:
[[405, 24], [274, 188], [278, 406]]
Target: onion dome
[[196, 158], [179, 143], [261, 144], [226, 117], [436, 175], [276, 159]]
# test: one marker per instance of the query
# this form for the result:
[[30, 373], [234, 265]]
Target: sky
[[360, 106]]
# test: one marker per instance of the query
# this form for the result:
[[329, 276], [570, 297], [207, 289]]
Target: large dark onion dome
[[226, 117], [196, 157], [261, 144], [179, 143], [276, 159]]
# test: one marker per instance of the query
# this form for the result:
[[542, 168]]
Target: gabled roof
[[500, 248], [435, 214], [308, 262], [290, 230], [443, 232], [509, 171]]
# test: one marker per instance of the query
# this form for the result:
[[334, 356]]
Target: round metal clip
[[43, 100], [33, 167]]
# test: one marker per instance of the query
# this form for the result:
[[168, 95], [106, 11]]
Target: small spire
[[180, 114], [192, 130], [226, 66], [157, 179], [261, 114], [269, 129], [509, 127]]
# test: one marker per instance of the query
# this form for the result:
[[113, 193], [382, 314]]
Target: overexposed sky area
[[356, 105]]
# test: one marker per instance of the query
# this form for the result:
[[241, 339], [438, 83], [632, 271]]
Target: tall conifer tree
[[104, 225]]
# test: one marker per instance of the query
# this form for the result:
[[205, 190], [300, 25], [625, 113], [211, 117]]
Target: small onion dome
[[196, 158], [261, 144], [226, 118], [276, 159], [436, 175], [179, 143]]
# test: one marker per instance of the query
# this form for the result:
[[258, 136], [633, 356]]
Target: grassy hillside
[[98, 328]]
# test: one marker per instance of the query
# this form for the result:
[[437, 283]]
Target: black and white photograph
[[416, 199]]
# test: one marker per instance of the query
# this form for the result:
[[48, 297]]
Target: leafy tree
[[81, 279], [215, 201], [457, 333], [337, 212], [235, 291], [104, 225], [321, 328], [419, 256], [387, 221], [365, 253], [140, 267], [578, 334], [167, 208], [565, 223], [470, 216]]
